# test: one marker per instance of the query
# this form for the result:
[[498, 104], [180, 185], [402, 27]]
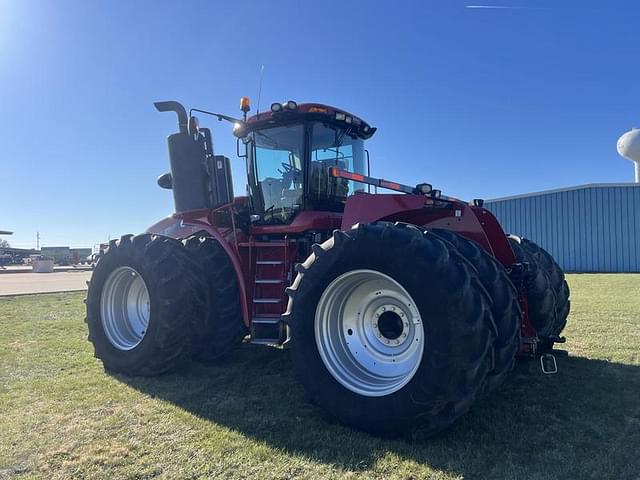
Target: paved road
[[21, 283], [29, 268]]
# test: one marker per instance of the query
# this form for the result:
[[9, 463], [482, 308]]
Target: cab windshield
[[287, 179], [277, 166]]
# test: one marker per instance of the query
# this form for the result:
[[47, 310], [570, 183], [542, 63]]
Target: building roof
[[565, 189]]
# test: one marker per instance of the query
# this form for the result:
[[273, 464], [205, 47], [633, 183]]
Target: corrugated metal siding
[[590, 229]]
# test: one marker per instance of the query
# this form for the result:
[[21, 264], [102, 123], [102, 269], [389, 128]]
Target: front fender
[[476, 223]]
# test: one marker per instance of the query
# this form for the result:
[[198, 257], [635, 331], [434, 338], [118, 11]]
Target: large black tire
[[176, 296], [548, 297], [221, 328], [557, 281], [505, 307], [456, 315]]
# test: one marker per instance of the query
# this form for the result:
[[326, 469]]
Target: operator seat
[[322, 185]]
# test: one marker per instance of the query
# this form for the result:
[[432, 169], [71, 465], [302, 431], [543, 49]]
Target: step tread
[[263, 244], [269, 281], [272, 320], [265, 341]]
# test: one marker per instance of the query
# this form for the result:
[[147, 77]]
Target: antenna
[[259, 89]]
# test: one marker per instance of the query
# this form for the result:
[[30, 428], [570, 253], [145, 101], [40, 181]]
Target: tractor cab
[[290, 151]]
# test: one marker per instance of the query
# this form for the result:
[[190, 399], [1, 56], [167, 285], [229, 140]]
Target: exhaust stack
[[199, 179]]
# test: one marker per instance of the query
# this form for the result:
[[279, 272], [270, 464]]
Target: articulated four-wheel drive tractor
[[400, 309]]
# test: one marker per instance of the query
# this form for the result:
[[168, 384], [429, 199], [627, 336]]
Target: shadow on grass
[[581, 423]]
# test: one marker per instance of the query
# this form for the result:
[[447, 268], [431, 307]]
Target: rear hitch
[[555, 339], [548, 361], [547, 343], [548, 364]]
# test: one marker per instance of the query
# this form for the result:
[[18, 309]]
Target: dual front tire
[[425, 363]]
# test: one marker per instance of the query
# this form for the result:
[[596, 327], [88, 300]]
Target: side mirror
[[244, 155], [165, 181]]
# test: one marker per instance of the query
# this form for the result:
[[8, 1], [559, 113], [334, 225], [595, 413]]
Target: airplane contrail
[[498, 7]]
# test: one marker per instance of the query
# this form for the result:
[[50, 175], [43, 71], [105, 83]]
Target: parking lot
[[28, 283]]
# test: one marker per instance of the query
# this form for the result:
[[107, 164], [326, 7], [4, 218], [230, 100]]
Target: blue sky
[[481, 102]]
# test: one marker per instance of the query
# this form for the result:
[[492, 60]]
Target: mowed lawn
[[62, 416]]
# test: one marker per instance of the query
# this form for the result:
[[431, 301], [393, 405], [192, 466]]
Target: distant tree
[[4, 243]]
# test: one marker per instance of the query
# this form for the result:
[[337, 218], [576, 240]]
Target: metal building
[[587, 228]]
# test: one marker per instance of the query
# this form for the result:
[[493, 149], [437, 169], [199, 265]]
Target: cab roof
[[306, 112]]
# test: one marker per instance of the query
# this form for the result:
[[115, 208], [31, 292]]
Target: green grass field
[[61, 416]]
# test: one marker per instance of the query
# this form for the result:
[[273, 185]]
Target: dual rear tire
[[220, 329], [154, 303], [143, 296]]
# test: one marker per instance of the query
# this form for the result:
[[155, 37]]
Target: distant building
[[57, 254], [587, 228], [79, 255]]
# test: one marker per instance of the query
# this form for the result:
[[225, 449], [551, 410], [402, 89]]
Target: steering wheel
[[289, 174], [288, 169]]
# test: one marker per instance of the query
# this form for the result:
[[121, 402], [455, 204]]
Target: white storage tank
[[629, 148]]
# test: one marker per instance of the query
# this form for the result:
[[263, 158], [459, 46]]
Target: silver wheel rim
[[125, 308], [369, 333]]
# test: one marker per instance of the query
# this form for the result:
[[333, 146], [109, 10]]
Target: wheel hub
[[391, 325], [125, 308], [369, 332]]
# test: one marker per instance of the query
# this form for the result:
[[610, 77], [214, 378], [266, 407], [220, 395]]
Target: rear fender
[[194, 222]]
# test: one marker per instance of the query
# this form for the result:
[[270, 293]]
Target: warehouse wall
[[590, 228]]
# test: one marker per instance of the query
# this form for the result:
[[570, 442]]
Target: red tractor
[[400, 309]]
